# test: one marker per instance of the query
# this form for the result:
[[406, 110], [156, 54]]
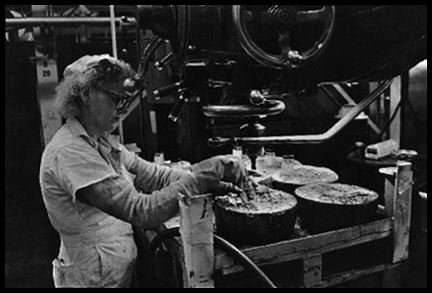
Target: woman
[[94, 189]]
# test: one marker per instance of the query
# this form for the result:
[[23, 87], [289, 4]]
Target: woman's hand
[[221, 174]]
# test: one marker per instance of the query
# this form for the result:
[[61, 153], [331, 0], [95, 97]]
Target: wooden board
[[306, 247]]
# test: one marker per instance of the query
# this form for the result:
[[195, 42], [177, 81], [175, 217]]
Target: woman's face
[[101, 107]]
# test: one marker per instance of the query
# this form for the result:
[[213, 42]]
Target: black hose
[[144, 57], [219, 243], [245, 261], [161, 237]]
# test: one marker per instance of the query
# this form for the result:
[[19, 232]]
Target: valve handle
[[284, 18]]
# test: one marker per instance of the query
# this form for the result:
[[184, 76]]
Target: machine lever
[[220, 141], [168, 89], [178, 106], [218, 83], [161, 63]]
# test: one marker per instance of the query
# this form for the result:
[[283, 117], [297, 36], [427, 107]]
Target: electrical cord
[[219, 243]]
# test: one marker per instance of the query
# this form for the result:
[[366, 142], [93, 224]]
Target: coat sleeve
[[149, 176], [117, 197]]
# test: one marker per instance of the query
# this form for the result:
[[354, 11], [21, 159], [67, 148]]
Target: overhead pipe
[[65, 21], [308, 138]]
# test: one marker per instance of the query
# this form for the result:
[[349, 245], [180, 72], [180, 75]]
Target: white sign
[[47, 81], [46, 72]]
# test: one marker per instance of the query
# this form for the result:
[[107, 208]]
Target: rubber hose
[[245, 261], [221, 244]]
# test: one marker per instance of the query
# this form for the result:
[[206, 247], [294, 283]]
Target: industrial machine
[[241, 60]]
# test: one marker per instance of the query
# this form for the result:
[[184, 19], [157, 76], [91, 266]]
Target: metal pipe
[[309, 138], [63, 21], [114, 52], [347, 98], [113, 31]]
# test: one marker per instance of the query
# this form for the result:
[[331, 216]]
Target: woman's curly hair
[[68, 91]]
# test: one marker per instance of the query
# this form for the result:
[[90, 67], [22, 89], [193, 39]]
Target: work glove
[[221, 174]]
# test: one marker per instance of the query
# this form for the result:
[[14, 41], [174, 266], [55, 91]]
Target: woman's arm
[[117, 197], [150, 176]]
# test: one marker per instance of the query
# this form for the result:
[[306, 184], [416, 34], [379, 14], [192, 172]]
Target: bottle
[[159, 158], [269, 158], [237, 151]]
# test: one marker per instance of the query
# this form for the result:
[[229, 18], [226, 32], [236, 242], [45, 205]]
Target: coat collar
[[107, 140]]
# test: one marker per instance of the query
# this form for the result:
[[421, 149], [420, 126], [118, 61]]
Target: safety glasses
[[111, 72], [123, 100]]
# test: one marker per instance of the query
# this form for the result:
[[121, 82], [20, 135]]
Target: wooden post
[[398, 193], [389, 189], [196, 231], [397, 196], [312, 268], [402, 210], [395, 94], [47, 77]]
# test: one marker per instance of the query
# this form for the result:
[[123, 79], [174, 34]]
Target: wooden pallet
[[312, 257], [313, 253]]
